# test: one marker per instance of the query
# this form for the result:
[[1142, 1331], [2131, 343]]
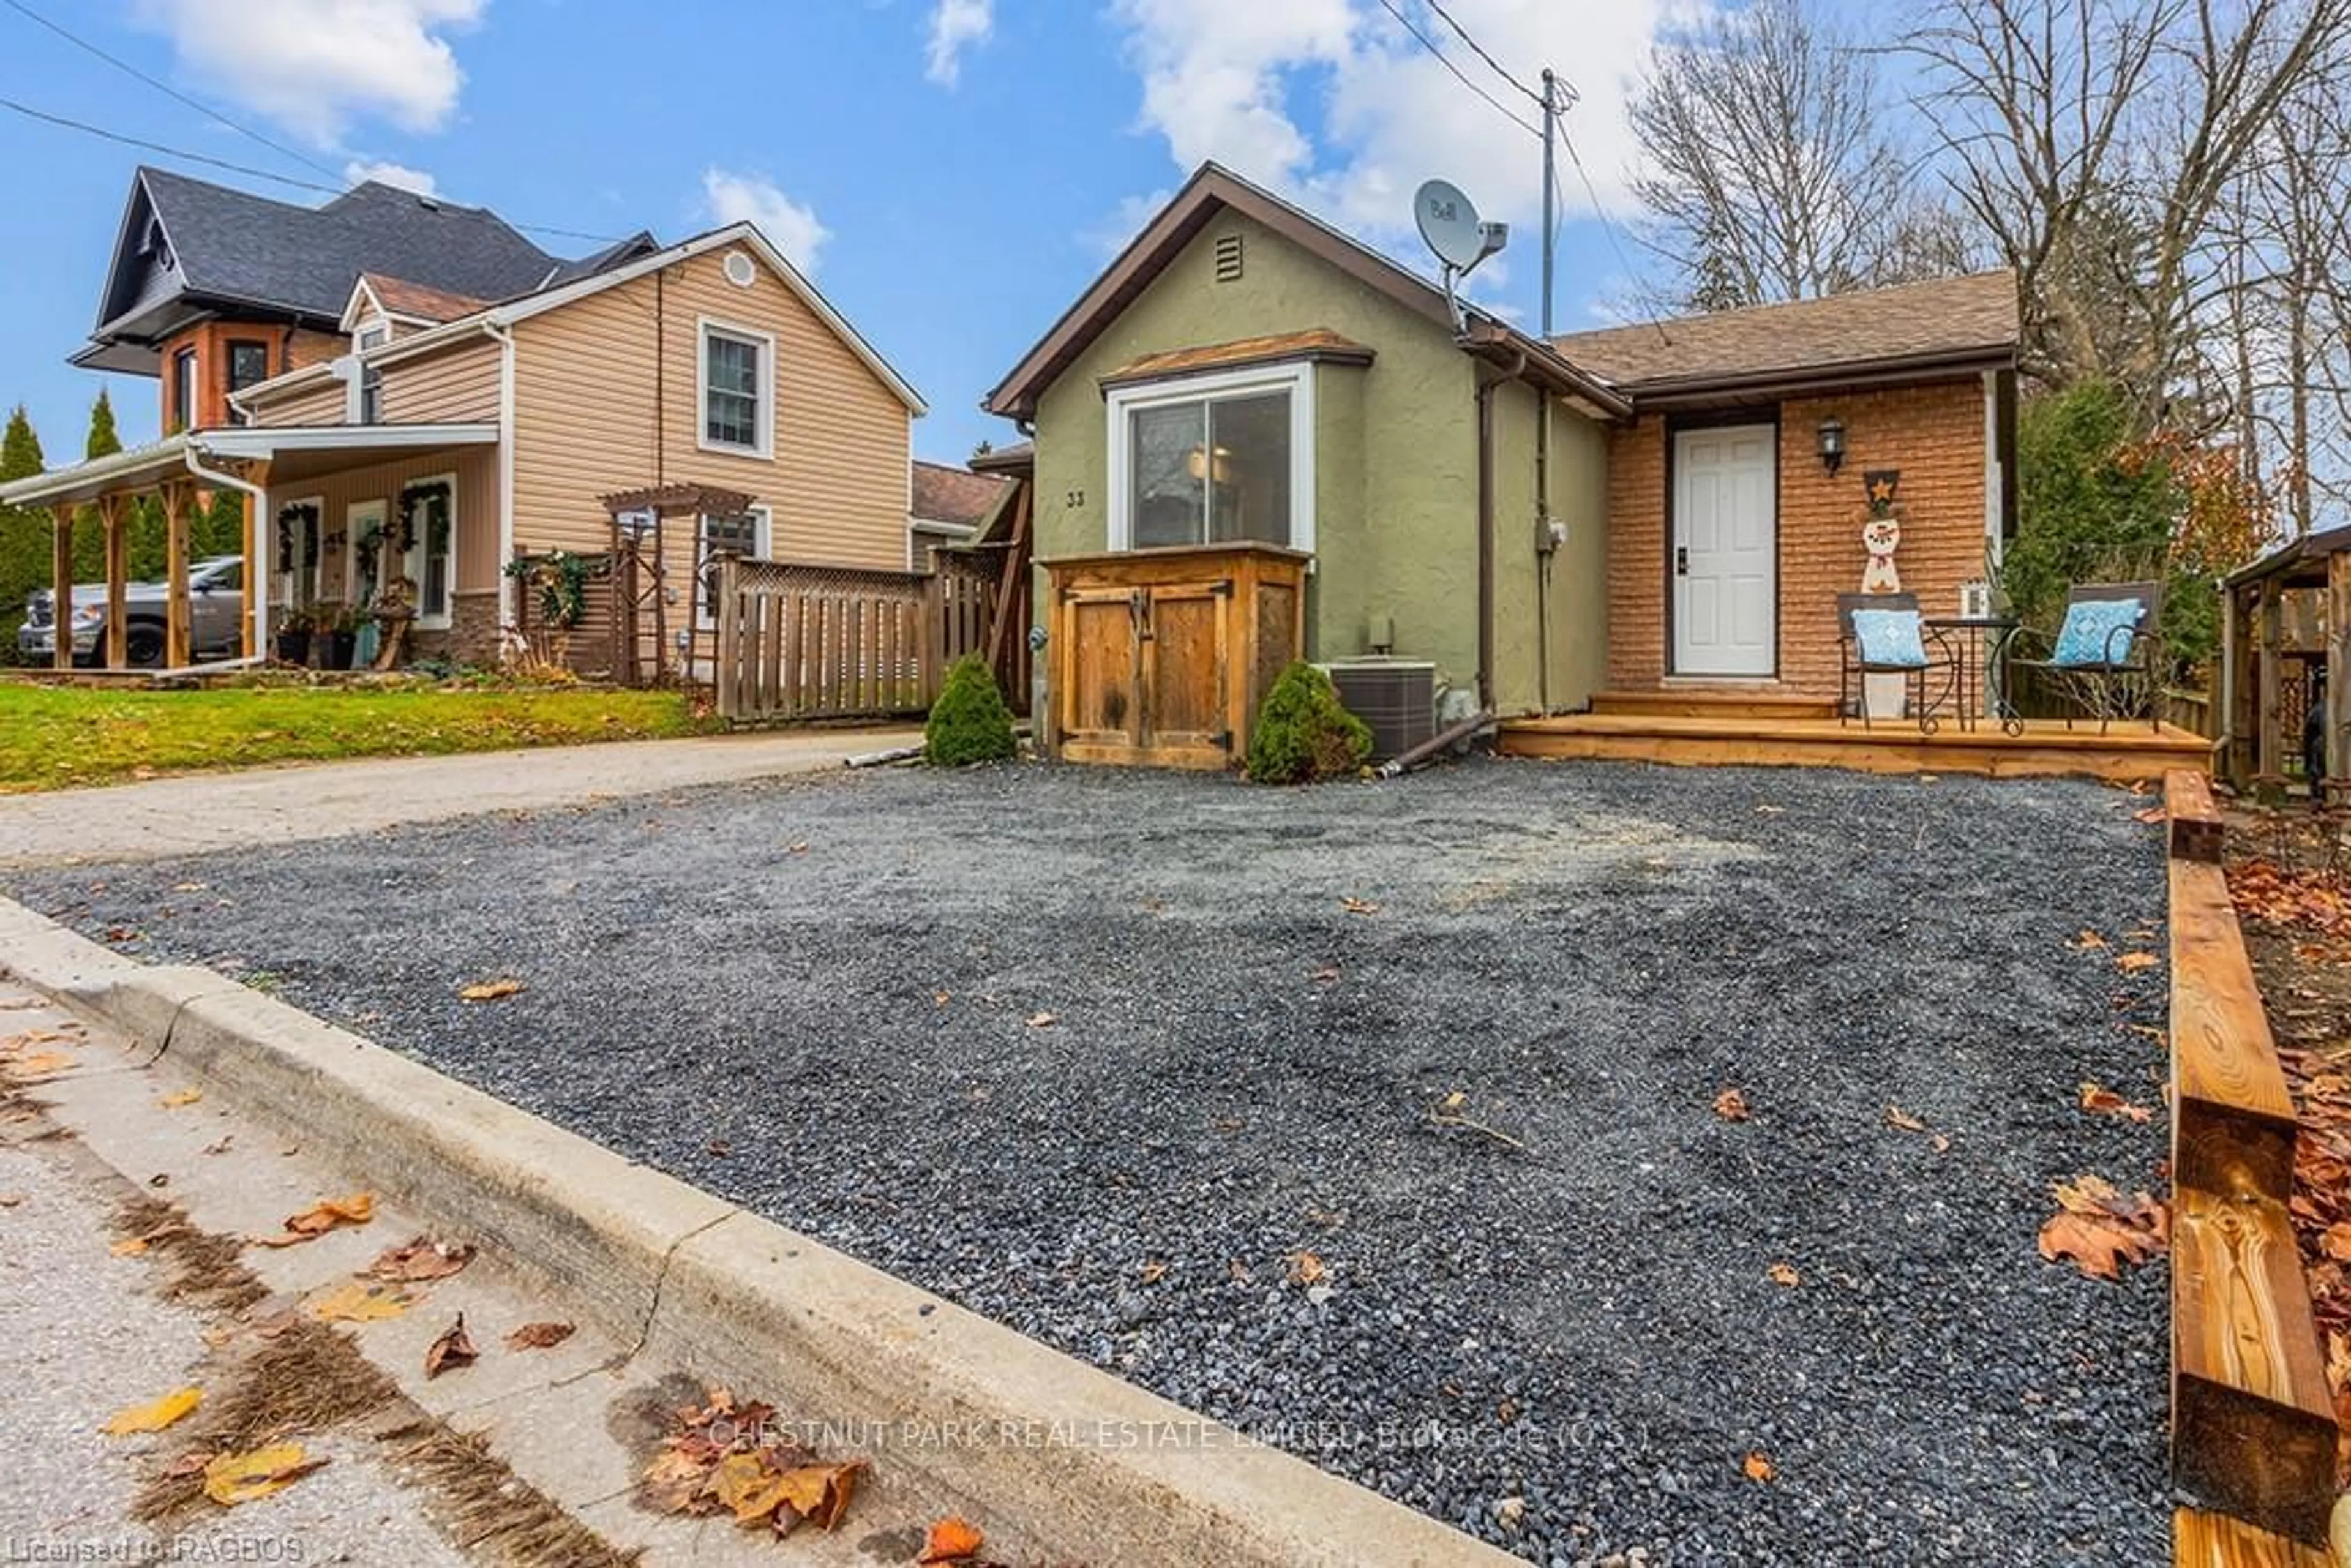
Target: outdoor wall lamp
[[1832, 439]]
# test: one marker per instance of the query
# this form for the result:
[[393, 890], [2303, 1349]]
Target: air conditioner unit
[[1397, 697]]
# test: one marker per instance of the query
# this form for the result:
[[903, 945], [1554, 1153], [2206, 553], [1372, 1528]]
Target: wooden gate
[[1160, 657], [815, 641]]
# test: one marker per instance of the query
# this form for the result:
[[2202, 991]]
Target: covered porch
[[289, 536]]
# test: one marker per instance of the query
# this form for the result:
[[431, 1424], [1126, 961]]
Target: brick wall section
[[1934, 434]]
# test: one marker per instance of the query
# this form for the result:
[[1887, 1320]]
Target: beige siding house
[[711, 363]]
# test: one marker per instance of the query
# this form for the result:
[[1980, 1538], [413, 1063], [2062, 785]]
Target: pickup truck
[[217, 614]]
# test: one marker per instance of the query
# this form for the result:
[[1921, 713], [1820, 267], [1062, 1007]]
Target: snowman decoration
[[1881, 535]]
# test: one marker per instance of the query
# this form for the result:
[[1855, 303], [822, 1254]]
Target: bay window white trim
[[764, 423], [1296, 379]]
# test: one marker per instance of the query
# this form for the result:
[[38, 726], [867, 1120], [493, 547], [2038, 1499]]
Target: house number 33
[[1075, 500]]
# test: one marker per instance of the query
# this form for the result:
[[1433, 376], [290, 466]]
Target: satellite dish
[[1448, 223]]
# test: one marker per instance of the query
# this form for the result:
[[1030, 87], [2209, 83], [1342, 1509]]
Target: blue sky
[[953, 171]]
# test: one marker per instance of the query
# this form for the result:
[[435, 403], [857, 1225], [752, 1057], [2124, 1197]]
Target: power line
[[1459, 75], [160, 149], [86, 128], [167, 88], [1479, 50], [1607, 224]]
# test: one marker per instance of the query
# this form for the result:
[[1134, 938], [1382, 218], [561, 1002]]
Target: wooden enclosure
[[1159, 658], [2285, 662], [814, 641]]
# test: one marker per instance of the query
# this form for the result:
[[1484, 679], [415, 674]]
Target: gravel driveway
[[1559, 1328]]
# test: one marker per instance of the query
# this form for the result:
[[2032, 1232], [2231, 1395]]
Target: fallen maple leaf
[[1042, 1020], [2100, 1229], [1759, 1468], [821, 1493], [1785, 1274], [1152, 1272], [154, 1416], [420, 1261], [1896, 1116], [2097, 1097], [2086, 940], [184, 1097], [322, 1217], [1354, 906], [489, 990], [1305, 1267], [43, 1064], [538, 1336], [359, 1304], [130, 1247], [1325, 975], [453, 1350], [232, 1479], [950, 1540], [2152, 814], [1731, 1106], [2335, 1241]]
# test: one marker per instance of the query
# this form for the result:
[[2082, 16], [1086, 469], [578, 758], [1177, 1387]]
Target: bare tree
[[2095, 140], [1766, 171]]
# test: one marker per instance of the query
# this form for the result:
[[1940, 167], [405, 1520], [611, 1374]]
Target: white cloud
[[791, 226], [360, 171], [314, 66], [1333, 104], [957, 26]]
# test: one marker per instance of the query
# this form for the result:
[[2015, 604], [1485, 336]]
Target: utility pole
[[1551, 192]]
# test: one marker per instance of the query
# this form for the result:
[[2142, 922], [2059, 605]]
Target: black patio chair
[[1854, 665], [2137, 657]]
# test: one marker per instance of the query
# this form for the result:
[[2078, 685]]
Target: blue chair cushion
[[2098, 632], [1890, 639]]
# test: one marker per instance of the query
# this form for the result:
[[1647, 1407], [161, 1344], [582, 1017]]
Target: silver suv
[[215, 618]]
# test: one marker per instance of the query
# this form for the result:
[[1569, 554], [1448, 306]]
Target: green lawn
[[54, 737]]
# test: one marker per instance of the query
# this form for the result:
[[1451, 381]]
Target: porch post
[[2339, 671], [118, 576], [177, 631], [2269, 762], [255, 636], [61, 575]]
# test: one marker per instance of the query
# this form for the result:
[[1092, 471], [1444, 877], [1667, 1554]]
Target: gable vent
[[1229, 259]]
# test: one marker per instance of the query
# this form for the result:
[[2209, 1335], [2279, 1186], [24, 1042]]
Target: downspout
[[504, 337], [1546, 549], [257, 602], [1488, 377]]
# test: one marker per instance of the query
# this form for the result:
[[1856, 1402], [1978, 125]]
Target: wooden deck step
[[2127, 754], [2201, 1540], [2253, 1421], [1672, 703]]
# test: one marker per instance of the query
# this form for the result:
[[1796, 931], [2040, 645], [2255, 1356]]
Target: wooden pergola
[[171, 472], [641, 567], [2294, 604]]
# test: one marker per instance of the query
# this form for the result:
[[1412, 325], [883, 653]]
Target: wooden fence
[[811, 641]]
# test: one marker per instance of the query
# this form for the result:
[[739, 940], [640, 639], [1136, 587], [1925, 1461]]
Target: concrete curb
[[1072, 1458]]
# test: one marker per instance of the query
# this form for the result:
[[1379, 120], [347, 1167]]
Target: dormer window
[[371, 335]]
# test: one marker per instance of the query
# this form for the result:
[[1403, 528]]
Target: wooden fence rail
[[807, 642]]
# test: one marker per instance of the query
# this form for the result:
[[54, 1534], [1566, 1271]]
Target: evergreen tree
[[23, 533], [103, 442]]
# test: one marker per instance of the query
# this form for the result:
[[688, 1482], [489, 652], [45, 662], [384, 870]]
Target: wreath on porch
[[429, 502], [298, 522]]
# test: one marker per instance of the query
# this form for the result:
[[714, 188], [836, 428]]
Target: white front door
[[1724, 564]]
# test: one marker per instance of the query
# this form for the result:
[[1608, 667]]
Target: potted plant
[[294, 637], [339, 639]]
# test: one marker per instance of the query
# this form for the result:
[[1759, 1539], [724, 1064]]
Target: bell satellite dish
[[1449, 223]]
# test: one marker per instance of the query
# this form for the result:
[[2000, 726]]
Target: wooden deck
[[1702, 733]]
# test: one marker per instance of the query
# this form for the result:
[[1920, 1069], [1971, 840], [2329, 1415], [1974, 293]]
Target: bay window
[[1214, 460]]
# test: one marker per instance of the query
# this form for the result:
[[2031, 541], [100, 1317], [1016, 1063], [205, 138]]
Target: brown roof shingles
[[955, 496], [1954, 319], [403, 297]]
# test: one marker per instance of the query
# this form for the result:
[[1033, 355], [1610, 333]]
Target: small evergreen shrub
[[969, 722], [1304, 733]]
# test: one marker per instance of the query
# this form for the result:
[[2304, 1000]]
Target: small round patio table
[[1979, 687]]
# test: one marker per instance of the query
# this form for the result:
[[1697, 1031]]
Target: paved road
[[195, 813]]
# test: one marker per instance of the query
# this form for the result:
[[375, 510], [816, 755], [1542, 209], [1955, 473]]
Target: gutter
[[1487, 381]]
